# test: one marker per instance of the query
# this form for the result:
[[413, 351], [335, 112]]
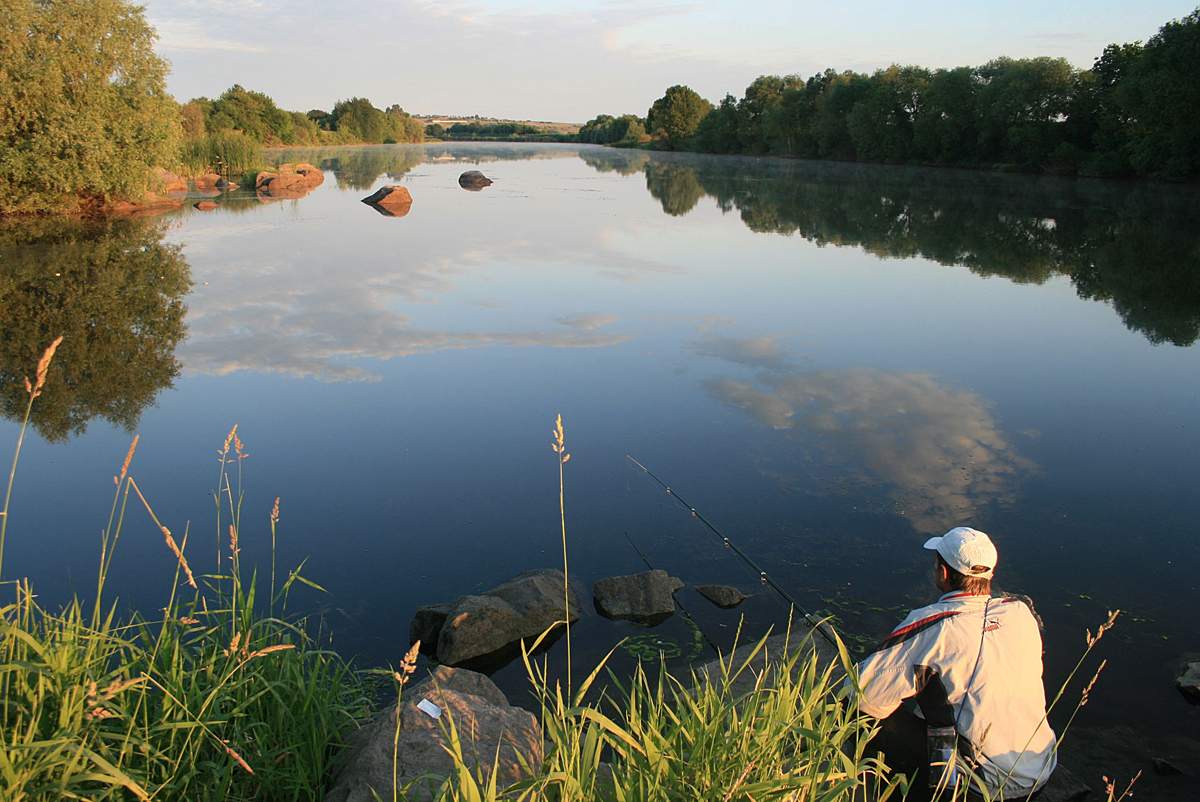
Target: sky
[[570, 60]]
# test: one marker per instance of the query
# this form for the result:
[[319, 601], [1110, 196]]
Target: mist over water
[[831, 361]]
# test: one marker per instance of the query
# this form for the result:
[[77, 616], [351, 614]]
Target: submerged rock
[[390, 201], [1188, 682], [205, 205], [479, 625], [148, 205], [642, 597], [487, 726], [474, 180], [724, 596]]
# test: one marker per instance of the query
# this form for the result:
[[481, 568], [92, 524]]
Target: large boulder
[[390, 201], [206, 181], [724, 596], [1064, 786], [521, 608], [169, 183], [288, 180], [426, 623], [647, 597], [474, 180], [1188, 681], [777, 648], [485, 722]]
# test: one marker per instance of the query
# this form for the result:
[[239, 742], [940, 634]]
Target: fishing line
[[678, 603], [729, 544]]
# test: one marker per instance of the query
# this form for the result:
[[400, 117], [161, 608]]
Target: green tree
[[84, 112], [358, 120], [881, 122], [1021, 107], [839, 93], [945, 129], [676, 115], [718, 131], [254, 114], [114, 290], [1160, 101]]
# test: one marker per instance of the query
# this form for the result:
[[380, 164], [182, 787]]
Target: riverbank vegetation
[[85, 118], [1135, 112]]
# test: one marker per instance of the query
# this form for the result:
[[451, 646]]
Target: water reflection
[[937, 450], [1135, 246], [115, 292]]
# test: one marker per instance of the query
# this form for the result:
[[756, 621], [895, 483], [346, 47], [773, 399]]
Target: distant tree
[[1160, 100], [84, 111], [718, 131], [359, 120], [322, 119], [676, 115], [435, 131], [945, 129], [839, 93], [1021, 105], [881, 122], [254, 114]]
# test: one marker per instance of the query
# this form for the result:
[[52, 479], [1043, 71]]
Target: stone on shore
[[485, 722], [1064, 786], [647, 597], [169, 183], [521, 608], [1188, 681], [288, 181], [390, 201], [474, 180], [724, 596]]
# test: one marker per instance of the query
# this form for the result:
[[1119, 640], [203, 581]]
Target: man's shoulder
[[1025, 602], [918, 621]]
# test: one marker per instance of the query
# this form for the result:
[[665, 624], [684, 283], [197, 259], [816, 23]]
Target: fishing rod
[[682, 609], [729, 544]]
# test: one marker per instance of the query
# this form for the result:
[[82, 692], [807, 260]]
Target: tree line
[[1135, 112]]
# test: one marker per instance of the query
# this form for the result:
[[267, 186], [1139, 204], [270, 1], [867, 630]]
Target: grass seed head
[[43, 367]]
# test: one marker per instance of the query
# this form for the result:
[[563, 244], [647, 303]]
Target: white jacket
[[992, 674]]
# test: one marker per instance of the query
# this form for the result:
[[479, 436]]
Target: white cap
[[966, 550]]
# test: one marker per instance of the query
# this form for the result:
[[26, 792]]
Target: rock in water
[[205, 205], [724, 596], [485, 722], [1188, 682], [474, 180], [523, 607], [644, 597], [390, 201]]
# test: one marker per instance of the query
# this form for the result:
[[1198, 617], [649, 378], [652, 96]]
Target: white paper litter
[[429, 708]]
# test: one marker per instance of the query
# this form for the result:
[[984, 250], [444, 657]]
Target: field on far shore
[[548, 127]]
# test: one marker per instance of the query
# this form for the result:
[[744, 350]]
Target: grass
[[224, 697], [227, 152]]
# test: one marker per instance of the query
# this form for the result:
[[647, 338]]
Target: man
[[971, 662]]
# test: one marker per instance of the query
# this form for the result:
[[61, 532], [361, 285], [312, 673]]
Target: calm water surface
[[830, 361]]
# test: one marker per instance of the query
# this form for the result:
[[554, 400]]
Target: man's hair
[[975, 585]]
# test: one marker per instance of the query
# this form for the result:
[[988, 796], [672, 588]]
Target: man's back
[[991, 671]]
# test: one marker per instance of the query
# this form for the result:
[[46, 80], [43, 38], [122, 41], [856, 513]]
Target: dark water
[[830, 361]]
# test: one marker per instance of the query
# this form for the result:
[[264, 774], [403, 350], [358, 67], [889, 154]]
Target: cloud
[[938, 451], [586, 322], [180, 34], [758, 352]]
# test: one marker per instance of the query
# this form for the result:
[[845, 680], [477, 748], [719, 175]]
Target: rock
[[226, 185], [1188, 682], [148, 205], [426, 623], [390, 201], [205, 205], [168, 182], [1165, 768], [289, 180], [474, 180], [206, 181], [1063, 786], [485, 722], [642, 597], [724, 596], [521, 608]]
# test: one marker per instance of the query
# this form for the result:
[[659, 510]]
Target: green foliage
[[227, 152], [676, 116], [605, 129], [84, 113], [253, 114], [115, 291], [357, 120], [1136, 111]]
